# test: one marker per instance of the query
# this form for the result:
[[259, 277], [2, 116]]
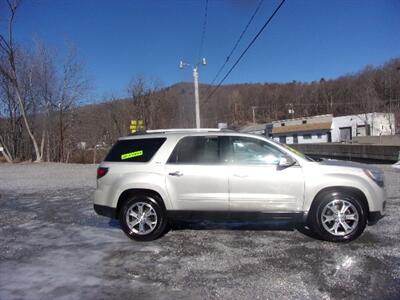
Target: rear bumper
[[105, 211]]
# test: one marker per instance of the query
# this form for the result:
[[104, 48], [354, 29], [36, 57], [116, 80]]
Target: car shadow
[[114, 223], [270, 225]]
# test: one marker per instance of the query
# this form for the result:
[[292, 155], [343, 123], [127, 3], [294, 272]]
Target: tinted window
[[297, 152], [253, 151], [196, 150], [137, 150]]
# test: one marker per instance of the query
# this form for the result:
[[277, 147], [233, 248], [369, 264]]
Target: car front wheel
[[338, 217]]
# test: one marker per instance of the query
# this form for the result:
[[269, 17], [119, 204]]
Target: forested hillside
[[372, 89]]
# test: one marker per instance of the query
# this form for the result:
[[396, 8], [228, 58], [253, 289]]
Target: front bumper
[[374, 217], [105, 211]]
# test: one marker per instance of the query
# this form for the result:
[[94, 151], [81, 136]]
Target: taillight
[[101, 172]]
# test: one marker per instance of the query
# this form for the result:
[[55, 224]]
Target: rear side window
[[137, 150], [196, 150]]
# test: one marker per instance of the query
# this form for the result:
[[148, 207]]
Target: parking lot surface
[[53, 246]]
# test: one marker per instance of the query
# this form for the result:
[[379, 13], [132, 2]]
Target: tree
[[145, 96], [10, 68], [71, 86], [10, 129], [39, 93]]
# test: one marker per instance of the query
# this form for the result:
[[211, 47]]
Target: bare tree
[[145, 96], [44, 84], [9, 70], [72, 86], [5, 151], [10, 129]]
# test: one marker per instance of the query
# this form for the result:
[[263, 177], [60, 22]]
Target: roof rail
[[172, 130]]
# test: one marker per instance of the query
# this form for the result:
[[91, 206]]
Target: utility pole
[[196, 95], [291, 110], [196, 86], [253, 108]]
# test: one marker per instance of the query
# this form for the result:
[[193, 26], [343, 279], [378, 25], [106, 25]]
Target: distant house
[[261, 129], [326, 128], [316, 129]]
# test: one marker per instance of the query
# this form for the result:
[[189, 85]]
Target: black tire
[[158, 216], [320, 218]]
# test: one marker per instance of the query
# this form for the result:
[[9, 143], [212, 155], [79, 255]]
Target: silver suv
[[149, 179]]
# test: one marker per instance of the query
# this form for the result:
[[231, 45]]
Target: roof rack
[[172, 130]]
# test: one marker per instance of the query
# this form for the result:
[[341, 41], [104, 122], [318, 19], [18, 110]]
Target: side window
[[253, 152], [196, 150], [134, 150]]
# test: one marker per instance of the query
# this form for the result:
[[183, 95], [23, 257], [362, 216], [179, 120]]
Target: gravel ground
[[53, 246]]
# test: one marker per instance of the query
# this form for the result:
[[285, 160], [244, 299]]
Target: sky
[[307, 39]]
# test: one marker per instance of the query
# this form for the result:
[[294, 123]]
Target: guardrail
[[351, 151]]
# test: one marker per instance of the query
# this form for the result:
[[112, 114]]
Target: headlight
[[376, 176]]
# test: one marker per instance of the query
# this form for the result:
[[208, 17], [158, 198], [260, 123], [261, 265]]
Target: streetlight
[[196, 85]]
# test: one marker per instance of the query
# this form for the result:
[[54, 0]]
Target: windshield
[[294, 151]]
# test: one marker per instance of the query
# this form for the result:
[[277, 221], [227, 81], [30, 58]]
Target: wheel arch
[[353, 191], [138, 191]]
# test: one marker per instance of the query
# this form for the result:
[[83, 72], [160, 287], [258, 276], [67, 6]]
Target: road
[[53, 246]]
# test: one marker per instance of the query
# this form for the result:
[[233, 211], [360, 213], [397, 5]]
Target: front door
[[256, 183], [195, 178]]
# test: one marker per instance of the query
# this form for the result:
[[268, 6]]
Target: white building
[[261, 129], [371, 124], [254, 129], [314, 129], [326, 128]]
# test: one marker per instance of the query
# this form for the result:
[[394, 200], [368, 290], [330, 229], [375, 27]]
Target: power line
[[247, 48], [317, 104], [203, 33], [237, 42]]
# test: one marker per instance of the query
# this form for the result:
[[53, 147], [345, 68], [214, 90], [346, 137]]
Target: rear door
[[256, 183], [195, 177]]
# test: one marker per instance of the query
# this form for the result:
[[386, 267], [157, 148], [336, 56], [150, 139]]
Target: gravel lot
[[53, 246]]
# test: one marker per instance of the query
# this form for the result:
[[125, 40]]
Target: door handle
[[241, 175], [176, 173]]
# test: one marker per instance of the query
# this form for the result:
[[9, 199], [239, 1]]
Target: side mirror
[[286, 161]]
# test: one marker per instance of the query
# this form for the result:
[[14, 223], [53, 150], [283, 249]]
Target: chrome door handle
[[241, 175], [176, 173]]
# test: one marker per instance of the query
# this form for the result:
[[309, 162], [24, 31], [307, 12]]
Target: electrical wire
[[237, 42], [245, 51], [203, 33]]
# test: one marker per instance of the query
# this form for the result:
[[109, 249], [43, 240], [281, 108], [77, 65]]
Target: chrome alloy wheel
[[339, 217], [141, 218]]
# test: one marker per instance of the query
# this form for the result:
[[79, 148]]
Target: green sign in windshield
[[131, 154]]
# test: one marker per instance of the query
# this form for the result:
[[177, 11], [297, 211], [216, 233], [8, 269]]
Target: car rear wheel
[[142, 218], [338, 217]]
